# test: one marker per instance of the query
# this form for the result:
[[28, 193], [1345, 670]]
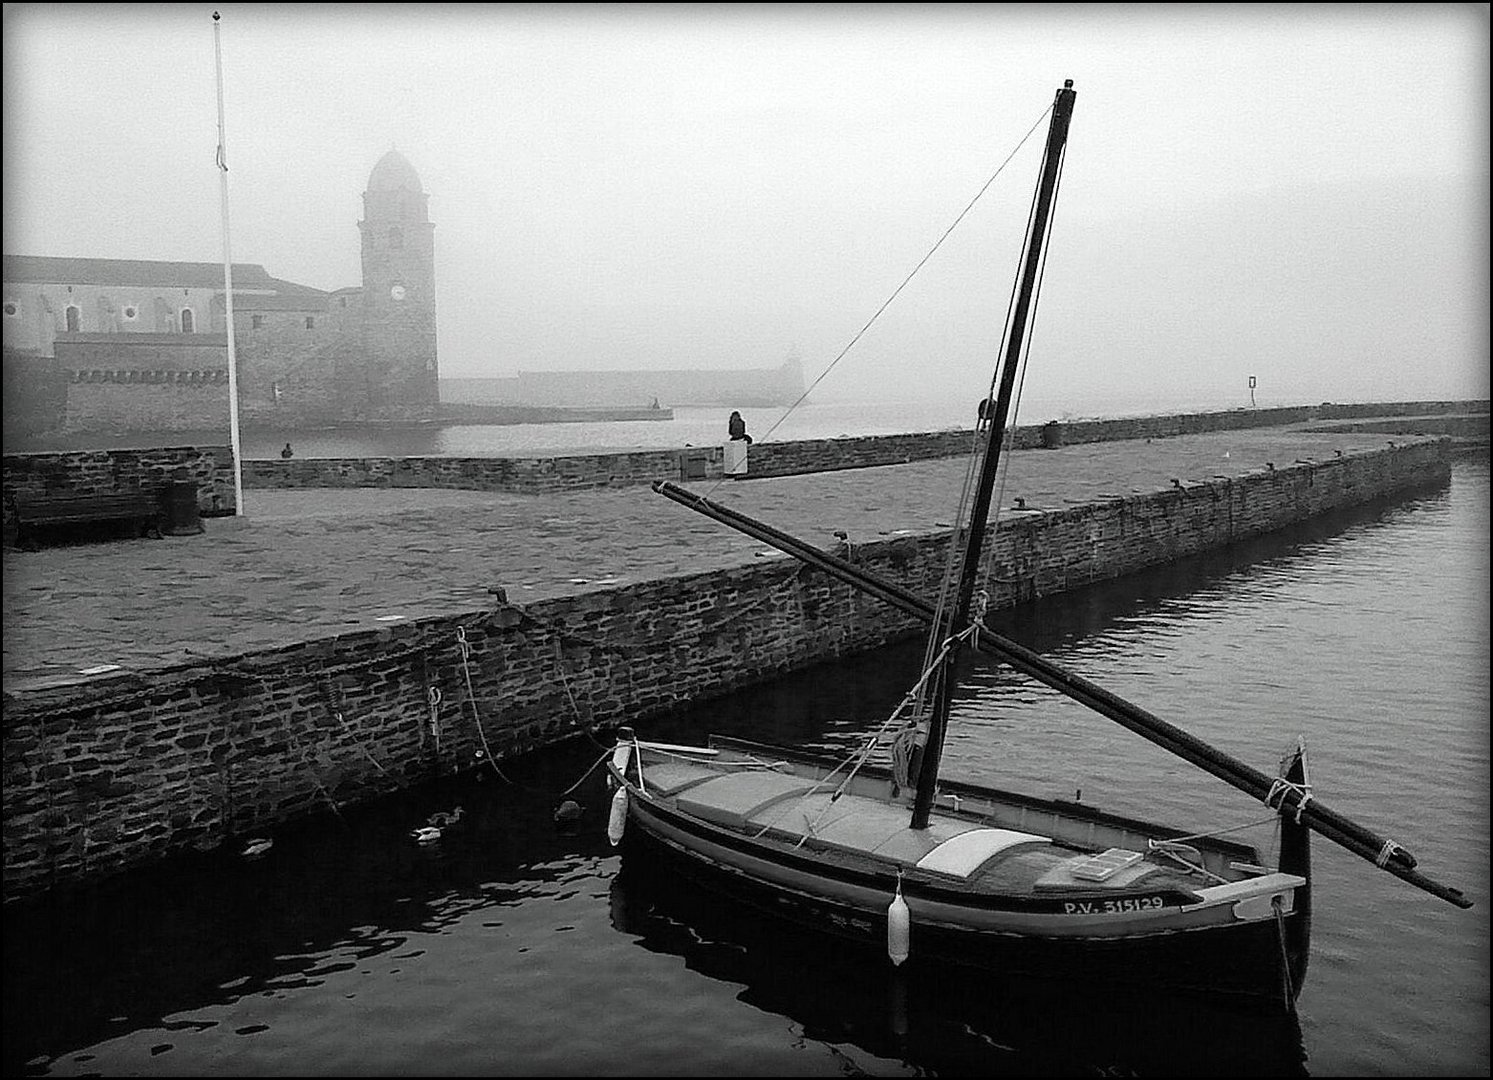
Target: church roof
[[393, 173], [144, 273]]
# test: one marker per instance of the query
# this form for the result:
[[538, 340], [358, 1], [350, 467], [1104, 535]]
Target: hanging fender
[[898, 927]]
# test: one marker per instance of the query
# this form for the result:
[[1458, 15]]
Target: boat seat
[[733, 798], [867, 825], [670, 778]]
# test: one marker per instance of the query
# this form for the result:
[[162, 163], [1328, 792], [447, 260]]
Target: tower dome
[[393, 173]]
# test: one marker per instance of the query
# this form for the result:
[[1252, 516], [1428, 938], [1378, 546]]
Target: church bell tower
[[398, 338]]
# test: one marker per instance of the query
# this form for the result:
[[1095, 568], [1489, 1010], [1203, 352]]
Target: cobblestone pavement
[[305, 564]]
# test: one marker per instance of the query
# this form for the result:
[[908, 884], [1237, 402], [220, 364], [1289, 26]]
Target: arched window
[[188, 321], [396, 237], [74, 318]]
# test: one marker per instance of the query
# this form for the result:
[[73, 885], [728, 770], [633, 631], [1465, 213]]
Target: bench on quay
[[36, 515]]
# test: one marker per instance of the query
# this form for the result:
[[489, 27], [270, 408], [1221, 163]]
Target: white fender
[[898, 927], [618, 820]]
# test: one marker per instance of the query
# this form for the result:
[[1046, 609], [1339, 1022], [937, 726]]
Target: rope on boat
[[901, 752], [605, 754], [1216, 832], [902, 746], [1173, 851], [934, 651], [1285, 956], [1275, 798], [1387, 852]]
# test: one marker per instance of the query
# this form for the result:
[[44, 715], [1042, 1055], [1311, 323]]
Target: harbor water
[[519, 945]]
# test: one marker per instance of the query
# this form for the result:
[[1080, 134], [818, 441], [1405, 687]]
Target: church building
[[100, 345]]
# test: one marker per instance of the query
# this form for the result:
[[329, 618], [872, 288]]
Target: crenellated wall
[[123, 770], [161, 382]]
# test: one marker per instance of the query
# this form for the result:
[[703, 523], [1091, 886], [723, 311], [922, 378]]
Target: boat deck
[[799, 810]]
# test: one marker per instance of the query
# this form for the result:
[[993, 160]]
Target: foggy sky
[[1297, 193]]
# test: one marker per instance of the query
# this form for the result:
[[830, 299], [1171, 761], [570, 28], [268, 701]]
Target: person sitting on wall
[[287, 452], [737, 427]]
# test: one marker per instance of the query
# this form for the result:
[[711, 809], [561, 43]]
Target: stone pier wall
[[126, 770], [83, 472], [91, 472]]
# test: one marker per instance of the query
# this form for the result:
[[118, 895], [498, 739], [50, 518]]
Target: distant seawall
[[539, 474], [82, 472], [126, 769], [504, 415]]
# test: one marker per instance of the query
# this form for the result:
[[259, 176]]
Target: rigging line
[[952, 559], [980, 445], [860, 756], [1271, 820], [905, 281], [1022, 361], [984, 447], [1031, 333]]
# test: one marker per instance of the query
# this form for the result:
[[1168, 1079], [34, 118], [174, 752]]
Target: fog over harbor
[[1297, 194]]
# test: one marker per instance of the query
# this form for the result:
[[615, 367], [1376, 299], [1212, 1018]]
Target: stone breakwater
[[88, 472], [579, 472], [125, 769]]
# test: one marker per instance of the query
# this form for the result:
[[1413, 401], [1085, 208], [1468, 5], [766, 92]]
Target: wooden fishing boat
[[947, 872], [996, 879]]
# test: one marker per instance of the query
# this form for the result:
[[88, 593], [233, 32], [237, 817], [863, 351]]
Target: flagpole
[[238, 472]]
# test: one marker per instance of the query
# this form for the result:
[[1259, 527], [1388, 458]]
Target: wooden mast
[[974, 534]]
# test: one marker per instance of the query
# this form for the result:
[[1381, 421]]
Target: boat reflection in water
[[940, 1018]]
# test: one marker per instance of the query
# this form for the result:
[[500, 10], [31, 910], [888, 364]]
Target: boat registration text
[[1112, 907]]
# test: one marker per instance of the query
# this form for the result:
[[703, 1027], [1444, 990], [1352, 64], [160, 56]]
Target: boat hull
[[1244, 960]]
